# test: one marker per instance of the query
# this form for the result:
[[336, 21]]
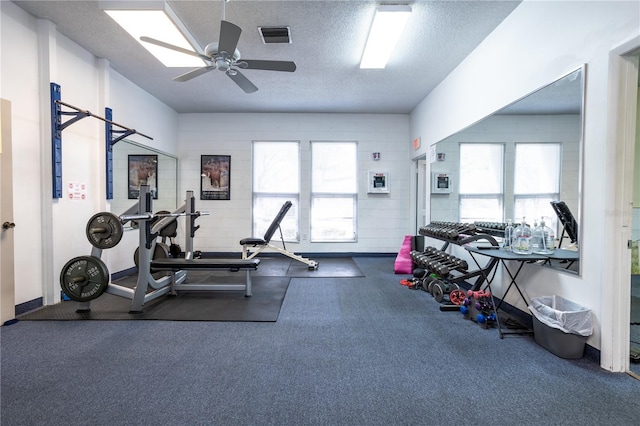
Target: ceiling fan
[[225, 57]]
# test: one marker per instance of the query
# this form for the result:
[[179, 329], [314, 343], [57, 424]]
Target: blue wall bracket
[[57, 126]]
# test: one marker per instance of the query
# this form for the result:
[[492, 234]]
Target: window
[[276, 179], [334, 190], [481, 177], [536, 182]]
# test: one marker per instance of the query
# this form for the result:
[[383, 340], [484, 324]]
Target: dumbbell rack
[[495, 229], [461, 234]]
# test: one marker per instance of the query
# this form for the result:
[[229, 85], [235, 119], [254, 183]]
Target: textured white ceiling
[[328, 38]]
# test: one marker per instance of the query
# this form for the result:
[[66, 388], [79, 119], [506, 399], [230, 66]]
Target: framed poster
[[378, 183], [143, 170], [215, 177]]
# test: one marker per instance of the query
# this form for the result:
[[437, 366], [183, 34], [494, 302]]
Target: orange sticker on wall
[[416, 143]]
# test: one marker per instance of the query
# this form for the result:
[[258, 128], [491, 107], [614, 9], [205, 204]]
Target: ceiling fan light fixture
[[385, 31], [158, 21]]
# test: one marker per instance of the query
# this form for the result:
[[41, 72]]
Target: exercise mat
[[329, 267], [282, 266], [263, 306]]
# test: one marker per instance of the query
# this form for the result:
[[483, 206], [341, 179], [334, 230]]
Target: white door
[[7, 288]]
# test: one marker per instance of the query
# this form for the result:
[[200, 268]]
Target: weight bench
[[176, 264], [261, 244]]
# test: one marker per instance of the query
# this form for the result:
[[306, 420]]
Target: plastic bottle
[[508, 235], [543, 239], [521, 242]]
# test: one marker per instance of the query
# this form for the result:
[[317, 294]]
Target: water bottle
[[508, 235], [543, 239], [521, 243]]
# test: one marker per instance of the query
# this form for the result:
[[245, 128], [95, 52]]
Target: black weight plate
[[160, 252], [426, 282], [437, 291], [170, 229], [84, 278], [104, 230]]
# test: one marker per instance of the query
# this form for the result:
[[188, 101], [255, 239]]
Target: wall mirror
[[513, 163], [134, 164]]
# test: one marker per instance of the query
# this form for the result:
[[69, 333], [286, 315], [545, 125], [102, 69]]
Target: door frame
[[622, 116]]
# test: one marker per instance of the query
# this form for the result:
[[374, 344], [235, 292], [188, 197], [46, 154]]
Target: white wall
[[50, 231], [536, 44], [383, 219]]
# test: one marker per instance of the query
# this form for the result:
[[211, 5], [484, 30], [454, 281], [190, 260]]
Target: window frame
[[319, 195], [294, 197], [498, 196]]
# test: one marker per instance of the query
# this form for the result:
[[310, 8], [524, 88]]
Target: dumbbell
[[454, 231], [435, 264], [443, 260], [447, 258]]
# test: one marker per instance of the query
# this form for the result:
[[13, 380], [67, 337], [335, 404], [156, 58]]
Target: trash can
[[561, 326]]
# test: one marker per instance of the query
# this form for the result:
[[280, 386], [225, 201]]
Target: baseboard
[[29, 306], [311, 255]]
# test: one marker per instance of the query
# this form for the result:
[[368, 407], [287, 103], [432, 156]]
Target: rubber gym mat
[[263, 306], [330, 267], [281, 266]]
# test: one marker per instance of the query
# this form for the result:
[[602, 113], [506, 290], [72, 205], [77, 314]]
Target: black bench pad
[[253, 241], [174, 264]]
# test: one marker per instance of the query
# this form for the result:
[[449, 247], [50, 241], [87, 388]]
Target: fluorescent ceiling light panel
[[384, 34], [157, 24]]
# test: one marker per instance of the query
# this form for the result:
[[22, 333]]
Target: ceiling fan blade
[[193, 74], [172, 47], [229, 36], [243, 82], [256, 64]]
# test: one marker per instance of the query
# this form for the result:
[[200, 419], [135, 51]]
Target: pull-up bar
[[81, 113], [57, 126]]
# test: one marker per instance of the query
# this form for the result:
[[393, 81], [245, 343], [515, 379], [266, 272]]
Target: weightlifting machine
[[85, 278], [263, 243]]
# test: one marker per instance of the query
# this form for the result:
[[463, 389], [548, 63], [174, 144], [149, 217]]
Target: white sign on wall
[[432, 153], [77, 191]]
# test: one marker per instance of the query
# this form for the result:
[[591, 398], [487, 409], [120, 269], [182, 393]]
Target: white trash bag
[[562, 314]]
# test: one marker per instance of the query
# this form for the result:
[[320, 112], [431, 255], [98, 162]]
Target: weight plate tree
[[104, 230], [84, 278]]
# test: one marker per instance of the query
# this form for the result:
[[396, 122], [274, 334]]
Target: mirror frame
[[148, 150], [582, 70]]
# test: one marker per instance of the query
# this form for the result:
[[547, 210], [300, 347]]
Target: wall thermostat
[[440, 183]]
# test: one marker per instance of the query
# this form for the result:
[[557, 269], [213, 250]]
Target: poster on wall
[[215, 177], [143, 170]]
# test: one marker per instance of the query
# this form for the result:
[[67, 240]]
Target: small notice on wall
[[77, 191]]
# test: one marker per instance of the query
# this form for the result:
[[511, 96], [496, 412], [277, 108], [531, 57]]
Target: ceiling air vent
[[275, 34]]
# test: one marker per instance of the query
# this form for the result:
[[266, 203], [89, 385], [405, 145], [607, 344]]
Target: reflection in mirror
[[126, 154], [514, 163]]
